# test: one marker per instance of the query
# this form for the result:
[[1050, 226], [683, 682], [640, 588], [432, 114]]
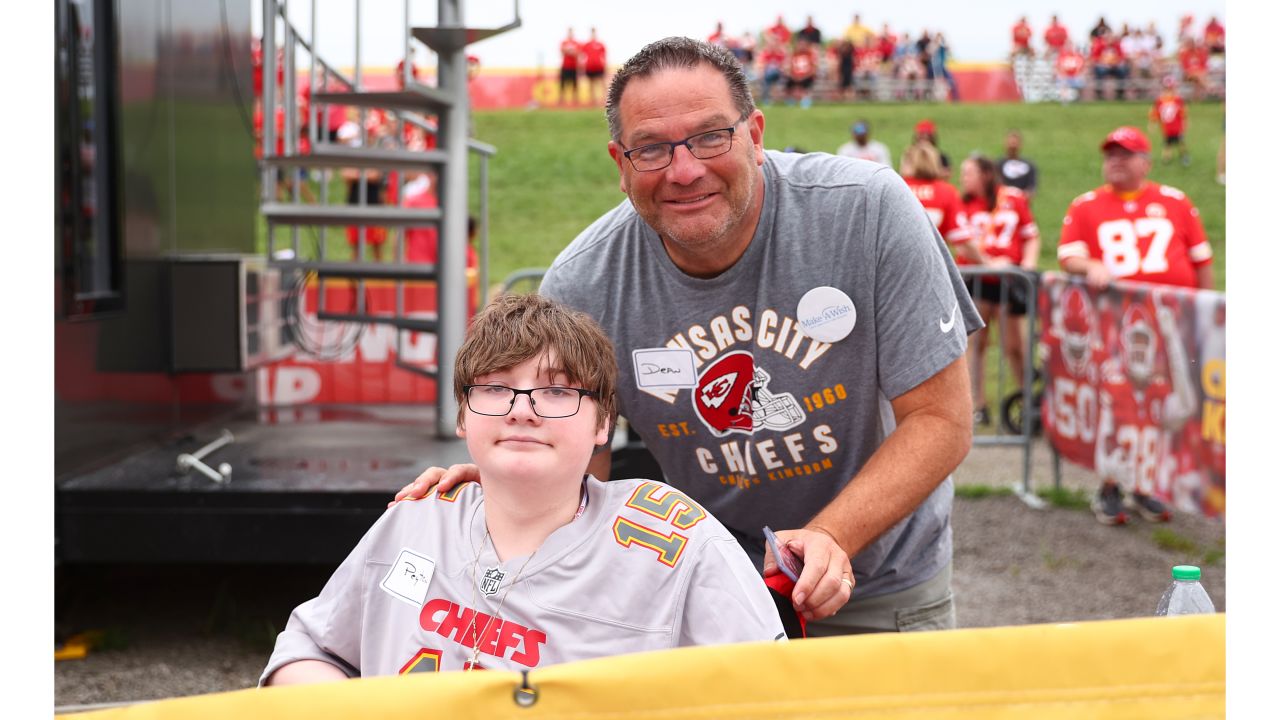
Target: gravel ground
[[191, 630]]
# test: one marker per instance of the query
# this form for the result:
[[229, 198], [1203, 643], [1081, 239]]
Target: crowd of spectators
[[795, 65], [1129, 62], [585, 58], [800, 63]]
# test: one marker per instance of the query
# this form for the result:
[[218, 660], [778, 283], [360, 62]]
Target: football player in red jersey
[[1134, 229], [1171, 113], [1000, 221], [1142, 407], [1071, 352]]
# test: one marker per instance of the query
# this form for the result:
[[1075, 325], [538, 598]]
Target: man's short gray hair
[[677, 53]]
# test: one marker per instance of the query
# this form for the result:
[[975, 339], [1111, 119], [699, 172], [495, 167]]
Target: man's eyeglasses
[[704, 146], [547, 402]]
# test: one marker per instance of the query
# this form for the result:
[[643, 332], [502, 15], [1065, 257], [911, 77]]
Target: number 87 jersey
[[1154, 235]]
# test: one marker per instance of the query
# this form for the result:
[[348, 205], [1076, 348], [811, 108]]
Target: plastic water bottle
[[1186, 596]]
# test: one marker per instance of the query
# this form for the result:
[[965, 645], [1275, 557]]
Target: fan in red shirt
[[779, 31], [1134, 229], [772, 60], [1055, 37], [1109, 61], [1000, 221], [255, 50], [1022, 38], [1194, 59], [1069, 73], [1171, 113], [921, 168], [802, 69], [329, 119], [887, 44], [422, 243], [593, 55], [569, 52], [718, 37], [1215, 37], [414, 71]]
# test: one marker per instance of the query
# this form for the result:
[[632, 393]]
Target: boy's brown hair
[[514, 328]]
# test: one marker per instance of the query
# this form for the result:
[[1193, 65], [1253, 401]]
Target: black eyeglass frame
[[517, 392], [687, 143]]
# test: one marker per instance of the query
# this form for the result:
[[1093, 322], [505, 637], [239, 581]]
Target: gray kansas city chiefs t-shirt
[[744, 410]]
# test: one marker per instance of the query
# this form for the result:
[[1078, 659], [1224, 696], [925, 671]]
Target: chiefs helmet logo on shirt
[[733, 396], [1156, 210], [714, 393]]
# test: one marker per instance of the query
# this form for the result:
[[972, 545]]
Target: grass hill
[[552, 175]]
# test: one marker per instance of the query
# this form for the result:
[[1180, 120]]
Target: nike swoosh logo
[[946, 325]]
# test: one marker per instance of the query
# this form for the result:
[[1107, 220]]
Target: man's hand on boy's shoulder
[[445, 478]]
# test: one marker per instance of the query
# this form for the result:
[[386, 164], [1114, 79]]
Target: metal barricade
[[524, 280], [1017, 411]]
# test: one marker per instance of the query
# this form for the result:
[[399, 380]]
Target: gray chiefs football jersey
[[643, 568]]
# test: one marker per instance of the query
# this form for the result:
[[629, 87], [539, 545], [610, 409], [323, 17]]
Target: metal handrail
[[454, 188], [1024, 439]]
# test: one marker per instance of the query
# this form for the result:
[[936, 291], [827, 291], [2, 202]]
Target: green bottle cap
[[1186, 572]]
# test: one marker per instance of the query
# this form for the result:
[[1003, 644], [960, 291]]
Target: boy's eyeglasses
[[547, 402]]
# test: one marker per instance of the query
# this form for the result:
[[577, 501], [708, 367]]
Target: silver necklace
[[475, 566], [480, 632]]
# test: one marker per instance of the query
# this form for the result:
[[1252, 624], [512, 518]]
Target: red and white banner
[[1135, 380]]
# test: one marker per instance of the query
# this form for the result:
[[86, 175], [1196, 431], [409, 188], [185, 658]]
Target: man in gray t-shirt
[[790, 331]]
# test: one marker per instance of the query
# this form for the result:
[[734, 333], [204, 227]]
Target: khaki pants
[[927, 606]]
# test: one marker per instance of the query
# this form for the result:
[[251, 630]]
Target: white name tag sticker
[[409, 577], [664, 368]]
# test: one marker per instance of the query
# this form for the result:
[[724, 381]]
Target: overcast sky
[[975, 31]]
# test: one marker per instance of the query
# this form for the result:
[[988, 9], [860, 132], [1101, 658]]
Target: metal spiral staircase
[[413, 104]]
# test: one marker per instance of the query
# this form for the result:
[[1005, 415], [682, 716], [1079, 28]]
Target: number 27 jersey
[[1155, 236]]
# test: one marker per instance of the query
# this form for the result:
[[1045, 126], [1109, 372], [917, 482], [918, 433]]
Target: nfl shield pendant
[[491, 580]]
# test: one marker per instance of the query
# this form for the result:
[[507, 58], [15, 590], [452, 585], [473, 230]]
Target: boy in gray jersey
[[512, 572]]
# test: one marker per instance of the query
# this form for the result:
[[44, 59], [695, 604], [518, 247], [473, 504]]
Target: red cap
[[926, 126], [1129, 138]]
